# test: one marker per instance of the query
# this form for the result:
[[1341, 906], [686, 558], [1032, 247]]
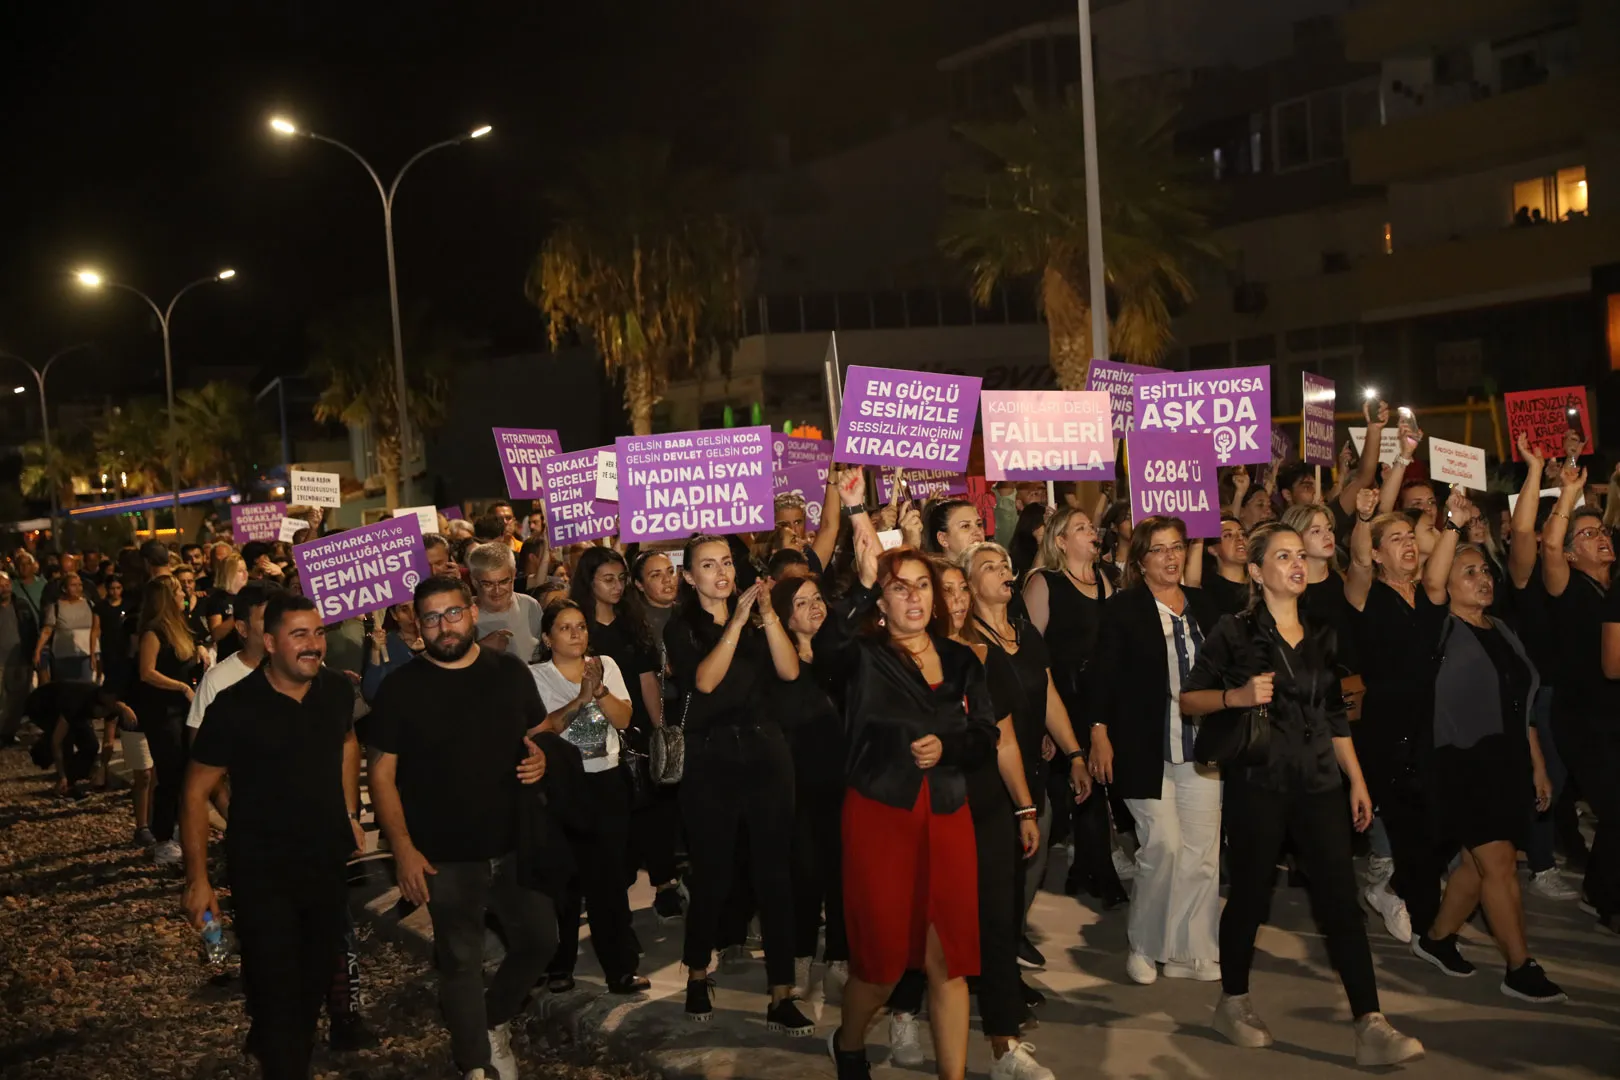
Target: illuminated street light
[[19, 389], [225, 275], [90, 278], [286, 127]]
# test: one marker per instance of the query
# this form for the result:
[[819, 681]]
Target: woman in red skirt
[[918, 717]]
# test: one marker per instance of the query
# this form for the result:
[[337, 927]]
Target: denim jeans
[[459, 895]]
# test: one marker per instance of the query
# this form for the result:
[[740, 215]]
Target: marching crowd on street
[[870, 748]]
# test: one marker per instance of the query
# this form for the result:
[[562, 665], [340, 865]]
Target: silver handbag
[[666, 749]]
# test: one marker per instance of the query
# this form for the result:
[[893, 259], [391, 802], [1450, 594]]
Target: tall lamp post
[[39, 374], [92, 280], [282, 126]]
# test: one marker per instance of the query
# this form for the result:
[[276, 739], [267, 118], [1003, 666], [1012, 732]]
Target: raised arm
[[1358, 578], [1240, 487], [1522, 551], [1367, 468], [826, 540], [784, 655], [1410, 437], [1438, 569], [712, 669], [1192, 571], [1554, 567]]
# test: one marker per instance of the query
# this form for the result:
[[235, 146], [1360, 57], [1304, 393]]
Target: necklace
[[916, 655], [1080, 582], [1001, 638]]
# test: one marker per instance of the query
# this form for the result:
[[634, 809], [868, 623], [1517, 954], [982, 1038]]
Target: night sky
[[136, 141]]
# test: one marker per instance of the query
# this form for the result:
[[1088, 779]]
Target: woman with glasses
[[738, 784], [1586, 626], [588, 704], [1487, 761], [1064, 596], [1147, 644], [1276, 658], [918, 718]]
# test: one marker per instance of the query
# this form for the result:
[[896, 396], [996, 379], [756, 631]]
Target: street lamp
[[92, 280], [283, 126], [39, 374]]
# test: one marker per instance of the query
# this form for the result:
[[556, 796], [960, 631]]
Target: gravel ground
[[101, 976]]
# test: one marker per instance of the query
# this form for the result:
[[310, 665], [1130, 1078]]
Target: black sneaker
[[559, 982], [1029, 956], [347, 1034], [699, 1009], [1033, 998], [785, 1018], [1528, 982], [1442, 954], [630, 984], [850, 1064], [667, 905]]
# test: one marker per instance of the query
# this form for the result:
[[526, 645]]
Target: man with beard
[[452, 751], [285, 737]]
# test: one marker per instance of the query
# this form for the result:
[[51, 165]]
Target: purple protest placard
[[257, 521], [522, 451], [922, 485], [809, 482], [1319, 397], [1047, 434], [718, 481], [452, 513], [1282, 444], [1231, 405], [1173, 475], [573, 512], [787, 450], [1118, 380], [361, 570], [915, 419]]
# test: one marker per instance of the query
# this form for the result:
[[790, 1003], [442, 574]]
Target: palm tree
[[54, 469], [354, 361], [1024, 215], [132, 449], [222, 437], [646, 261]]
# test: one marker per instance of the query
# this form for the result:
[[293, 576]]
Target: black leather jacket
[[888, 706]]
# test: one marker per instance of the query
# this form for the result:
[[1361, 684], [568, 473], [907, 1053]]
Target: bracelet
[[1224, 705], [1561, 513], [1368, 517], [1076, 754], [1401, 462], [1026, 812], [728, 640], [853, 511]]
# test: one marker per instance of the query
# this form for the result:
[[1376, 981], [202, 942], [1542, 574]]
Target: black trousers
[[654, 829], [600, 881], [818, 868], [289, 923], [1257, 823], [1093, 842], [737, 774], [1590, 744], [998, 986], [165, 739]]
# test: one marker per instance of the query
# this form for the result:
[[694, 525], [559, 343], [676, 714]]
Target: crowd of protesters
[[875, 745]]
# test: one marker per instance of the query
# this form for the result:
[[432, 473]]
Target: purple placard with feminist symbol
[[1230, 405], [361, 570], [573, 512], [914, 419], [717, 481], [256, 521], [790, 450], [809, 482], [1316, 448], [523, 451], [1173, 475]]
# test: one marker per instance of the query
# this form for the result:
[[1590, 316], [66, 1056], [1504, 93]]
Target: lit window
[[1389, 239], [1571, 185], [1545, 199]]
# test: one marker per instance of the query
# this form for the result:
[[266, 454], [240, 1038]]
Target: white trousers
[[1176, 897]]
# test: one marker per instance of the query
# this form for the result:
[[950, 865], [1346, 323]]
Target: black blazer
[[888, 706], [1130, 684]]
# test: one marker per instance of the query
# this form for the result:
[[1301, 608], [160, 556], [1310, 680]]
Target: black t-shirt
[[1018, 686], [1578, 615], [1531, 616], [221, 603], [1324, 605], [285, 760], [458, 733], [1231, 597], [75, 702], [1398, 642], [634, 658], [740, 697]]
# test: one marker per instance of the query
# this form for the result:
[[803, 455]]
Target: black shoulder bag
[[1235, 738]]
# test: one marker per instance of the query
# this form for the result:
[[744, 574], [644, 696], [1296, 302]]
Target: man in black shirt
[[453, 753], [285, 736]]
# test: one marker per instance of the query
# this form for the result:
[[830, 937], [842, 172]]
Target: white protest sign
[[427, 517], [1389, 442], [1457, 463], [1546, 493], [890, 538], [607, 475], [315, 489], [290, 528]]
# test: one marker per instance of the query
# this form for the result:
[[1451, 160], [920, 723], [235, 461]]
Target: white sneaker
[[1124, 865], [168, 853], [905, 1042], [1396, 919], [801, 977], [1377, 1043], [1380, 868], [1019, 1063], [502, 1062], [1201, 970], [1141, 969], [1236, 1019], [1553, 885], [833, 980]]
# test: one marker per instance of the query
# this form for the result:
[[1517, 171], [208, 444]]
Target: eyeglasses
[[1593, 531], [449, 614], [1162, 550], [495, 584]]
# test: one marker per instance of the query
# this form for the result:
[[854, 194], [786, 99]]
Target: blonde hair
[[225, 572], [1050, 557], [160, 613]]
